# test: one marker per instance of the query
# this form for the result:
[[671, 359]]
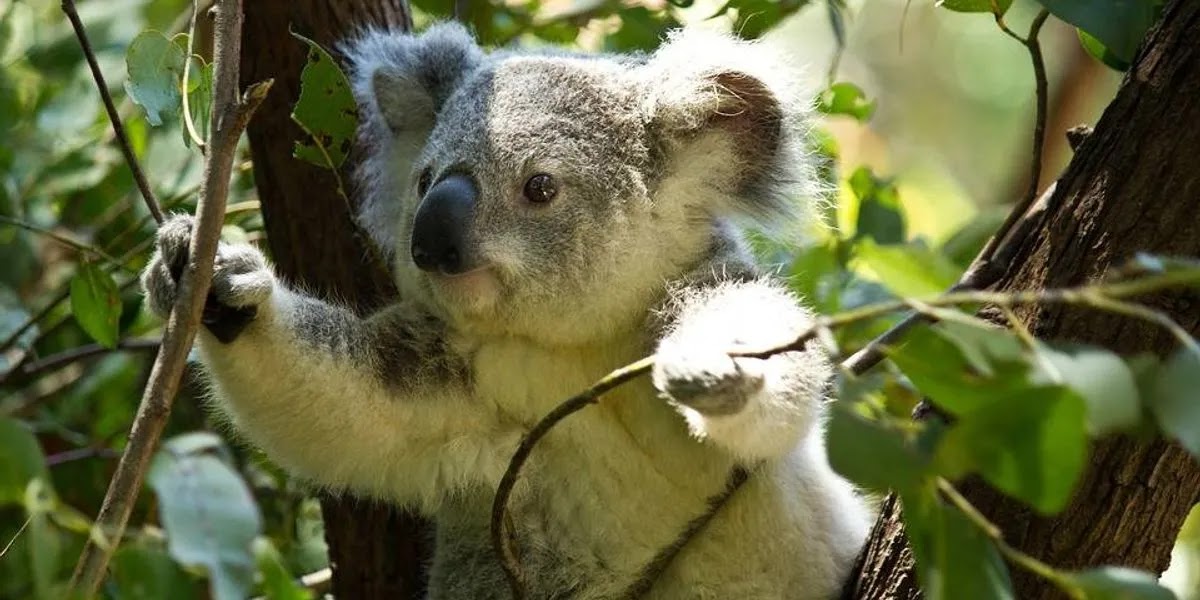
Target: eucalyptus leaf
[[909, 270], [872, 454], [1102, 379], [1118, 583], [21, 460], [155, 66], [845, 98], [955, 559], [326, 110], [209, 515], [996, 7], [1119, 25], [96, 303], [1175, 399], [879, 214]]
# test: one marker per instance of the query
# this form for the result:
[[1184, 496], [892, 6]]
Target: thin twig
[[16, 535], [57, 361], [68, 7], [1099, 295], [230, 114], [79, 454], [61, 239]]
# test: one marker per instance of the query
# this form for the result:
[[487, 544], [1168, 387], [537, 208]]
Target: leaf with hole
[[326, 110], [96, 303]]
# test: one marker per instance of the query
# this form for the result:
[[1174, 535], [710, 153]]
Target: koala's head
[[554, 195]]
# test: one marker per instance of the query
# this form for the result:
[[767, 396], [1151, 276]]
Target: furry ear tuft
[[702, 83], [400, 82]]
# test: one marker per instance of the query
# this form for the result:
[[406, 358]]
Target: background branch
[[68, 7], [229, 118]]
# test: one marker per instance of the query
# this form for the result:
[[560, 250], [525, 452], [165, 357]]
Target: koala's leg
[[377, 405], [754, 408]]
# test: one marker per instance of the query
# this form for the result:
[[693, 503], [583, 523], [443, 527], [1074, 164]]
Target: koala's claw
[[241, 279], [709, 382]]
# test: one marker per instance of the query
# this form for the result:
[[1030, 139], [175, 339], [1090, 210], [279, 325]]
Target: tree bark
[[376, 551], [1132, 186]]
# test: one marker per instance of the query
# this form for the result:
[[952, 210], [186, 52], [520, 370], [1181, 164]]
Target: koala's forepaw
[[710, 382], [241, 279]]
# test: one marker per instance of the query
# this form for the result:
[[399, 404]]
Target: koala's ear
[[746, 102], [401, 80]]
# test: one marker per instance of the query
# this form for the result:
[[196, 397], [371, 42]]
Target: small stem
[[64, 240], [68, 7], [187, 67]]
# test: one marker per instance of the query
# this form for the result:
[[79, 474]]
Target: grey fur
[[657, 159]]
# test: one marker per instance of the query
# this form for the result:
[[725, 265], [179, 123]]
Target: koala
[[549, 217]]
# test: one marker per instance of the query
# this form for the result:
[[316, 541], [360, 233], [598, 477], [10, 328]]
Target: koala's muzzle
[[441, 228]]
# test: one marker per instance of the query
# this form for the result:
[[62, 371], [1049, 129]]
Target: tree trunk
[[1133, 186], [376, 552]]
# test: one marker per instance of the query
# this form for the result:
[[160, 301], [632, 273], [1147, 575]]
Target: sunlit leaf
[[208, 512], [955, 559], [1118, 583], [1099, 52], [96, 303], [847, 99], [326, 110], [910, 270], [155, 66], [961, 369], [1031, 445], [1102, 379], [1175, 399]]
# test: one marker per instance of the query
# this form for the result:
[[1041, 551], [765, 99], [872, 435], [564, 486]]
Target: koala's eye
[[423, 183], [540, 188]]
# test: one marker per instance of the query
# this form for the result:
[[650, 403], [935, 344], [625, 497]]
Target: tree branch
[[1102, 296], [230, 115], [68, 7]]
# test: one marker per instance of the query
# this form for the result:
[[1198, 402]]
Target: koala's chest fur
[[608, 488]]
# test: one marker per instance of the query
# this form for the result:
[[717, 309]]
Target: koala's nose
[[441, 225]]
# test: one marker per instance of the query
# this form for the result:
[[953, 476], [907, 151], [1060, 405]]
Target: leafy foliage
[[223, 521]]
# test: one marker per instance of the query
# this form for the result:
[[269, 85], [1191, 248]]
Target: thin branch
[[189, 124], [68, 7], [16, 535], [1098, 296], [230, 114], [80, 454], [62, 359], [61, 239]]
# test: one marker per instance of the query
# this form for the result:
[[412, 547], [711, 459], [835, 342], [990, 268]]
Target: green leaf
[[962, 367], [976, 6], [143, 573], [96, 303], [1119, 25], [208, 512], [1175, 399], [910, 270], [955, 560], [155, 66], [756, 17], [325, 111], [870, 453], [1031, 445], [21, 461], [1102, 379], [879, 215], [1118, 583], [1099, 52], [641, 29], [199, 94], [277, 582], [845, 98]]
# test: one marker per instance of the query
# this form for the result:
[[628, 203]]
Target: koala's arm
[[377, 405], [756, 409]]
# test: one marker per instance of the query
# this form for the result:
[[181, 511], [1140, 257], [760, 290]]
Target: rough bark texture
[[1133, 186], [376, 552]]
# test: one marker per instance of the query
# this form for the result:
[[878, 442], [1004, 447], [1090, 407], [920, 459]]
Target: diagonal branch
[[68, 7], [230, 114]]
